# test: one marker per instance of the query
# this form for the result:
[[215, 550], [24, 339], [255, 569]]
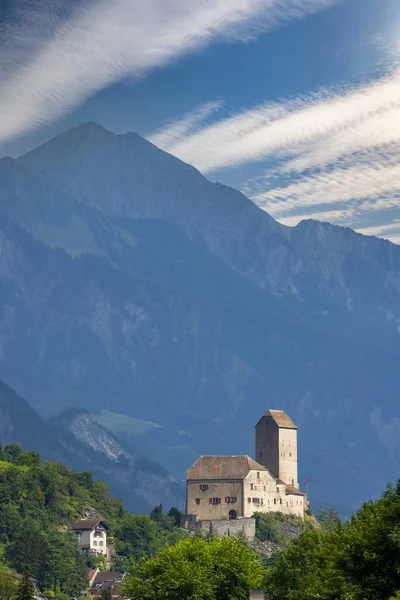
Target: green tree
[[176, 515], [197, 569], [11, 452], [29, 547], [26, 587], [28, 459], [8, 584], [106, 594], [328, 519]]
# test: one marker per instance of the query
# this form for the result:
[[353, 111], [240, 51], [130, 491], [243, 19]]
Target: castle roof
[[281, 418], [291, 490], [223, 467]]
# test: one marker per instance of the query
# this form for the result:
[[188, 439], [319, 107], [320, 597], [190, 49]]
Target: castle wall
[[198, 500], [246, 527], [288, 456], [222, 527], [260, 493]]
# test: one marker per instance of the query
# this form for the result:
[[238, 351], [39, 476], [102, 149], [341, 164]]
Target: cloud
[[298, 126], [101, 42], [178, 130], [381, 230], [378, 183], [335, 152]]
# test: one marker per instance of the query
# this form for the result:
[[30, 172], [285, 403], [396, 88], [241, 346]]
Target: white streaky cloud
[[297, 126], [382, 230], [378, 133], [106, 40], [178, 130], [377, 184]]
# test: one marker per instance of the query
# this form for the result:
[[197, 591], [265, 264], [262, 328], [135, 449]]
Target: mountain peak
[[82, 136]]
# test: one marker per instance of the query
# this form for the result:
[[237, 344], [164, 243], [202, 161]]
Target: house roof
[[222, 467], [109, 577], [86, 524], [281, 418], [290, 489], [91, 573]]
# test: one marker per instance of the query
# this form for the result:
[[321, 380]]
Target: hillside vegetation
[[39, 503]]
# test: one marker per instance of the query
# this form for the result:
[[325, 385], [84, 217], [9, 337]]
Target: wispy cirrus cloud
[[381, 230], [178, 130], [98, 43], [332, 155], [297, 126]]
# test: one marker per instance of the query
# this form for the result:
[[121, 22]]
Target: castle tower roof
[[281, 419]]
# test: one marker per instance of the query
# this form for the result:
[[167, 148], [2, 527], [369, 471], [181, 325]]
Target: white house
[[92, 535]]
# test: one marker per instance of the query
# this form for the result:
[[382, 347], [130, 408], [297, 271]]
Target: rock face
[[131, 284], [75, 439]]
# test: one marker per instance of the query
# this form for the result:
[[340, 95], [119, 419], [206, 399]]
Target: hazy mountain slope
[[89, 167], [188, 343], [187, 306], [76, 440]]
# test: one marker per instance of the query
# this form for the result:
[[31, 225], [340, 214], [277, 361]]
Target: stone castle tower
[[276, 446]]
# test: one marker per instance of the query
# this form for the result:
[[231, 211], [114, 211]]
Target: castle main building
[[230, 487]]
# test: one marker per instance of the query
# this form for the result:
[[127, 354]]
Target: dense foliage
[[358, 560], [38, 503], [141, 536], [197, 569]]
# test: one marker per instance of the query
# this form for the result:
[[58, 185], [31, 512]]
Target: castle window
[[274, 500], [101, 544], [280, 500], [203, 487], [230, 499], [248, 499], [260, 454], [215, 500], [197, 500], [251, 486], [262, 500], [258, 475], [256, 500], [94, 543], [265, 488], [255, 487], [290, 454]]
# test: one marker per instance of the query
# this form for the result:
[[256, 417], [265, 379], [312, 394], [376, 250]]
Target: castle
[[230, 488]]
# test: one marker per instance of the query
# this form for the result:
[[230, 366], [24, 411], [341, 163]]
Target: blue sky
[[295, 102]]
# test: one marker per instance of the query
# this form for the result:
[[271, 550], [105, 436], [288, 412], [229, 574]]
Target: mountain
[[176, 312], [75, 439]]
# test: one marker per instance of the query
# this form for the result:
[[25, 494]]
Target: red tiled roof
[[222, 467]]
